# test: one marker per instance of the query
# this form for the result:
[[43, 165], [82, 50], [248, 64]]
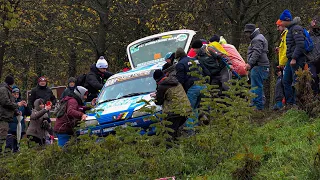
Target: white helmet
[[102, 63], [80, 92]]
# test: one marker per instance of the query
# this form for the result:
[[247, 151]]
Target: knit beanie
[[102, 63], [72, 79], [158, 75], [197, 44], [15, 90], [9, 80], [286, 16]]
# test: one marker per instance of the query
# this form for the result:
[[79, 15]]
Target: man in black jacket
[[96, 78], [188, 81], [42, 91], [295, 53]]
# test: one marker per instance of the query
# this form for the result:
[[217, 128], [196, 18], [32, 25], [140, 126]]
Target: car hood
[[120, 109]]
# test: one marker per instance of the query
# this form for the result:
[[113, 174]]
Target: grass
[[284, 145]]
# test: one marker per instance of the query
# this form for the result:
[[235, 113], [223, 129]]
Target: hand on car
[[84, 117], [93, 102]]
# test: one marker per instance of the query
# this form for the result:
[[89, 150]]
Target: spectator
[[8, 108], [278, 93], [41, 92], [71, 85], [169, 67], [188, 82], [213, 61], [171, 96], [11, 141], [314, 55], [39, 122], [64, 126], [258, 63], [96, 78], [295, 54]]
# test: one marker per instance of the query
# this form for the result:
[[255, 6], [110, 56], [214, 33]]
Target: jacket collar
[[255, 33]]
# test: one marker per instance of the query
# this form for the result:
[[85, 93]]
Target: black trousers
[[37, 140], [177, 121]]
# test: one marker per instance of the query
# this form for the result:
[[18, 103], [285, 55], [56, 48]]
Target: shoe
[[277, 106]]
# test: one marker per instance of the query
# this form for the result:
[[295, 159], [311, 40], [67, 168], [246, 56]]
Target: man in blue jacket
[[188, 81], [295, 53]]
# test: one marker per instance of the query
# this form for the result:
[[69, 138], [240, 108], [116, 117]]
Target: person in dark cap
[[171, 95], [70, 88], [214, 38], [295, 54], [8, 108], [258, 63], [169, 67], [42, 91], [314, 55], [183, 69]]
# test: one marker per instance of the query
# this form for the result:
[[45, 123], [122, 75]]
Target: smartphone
[[49, 103]]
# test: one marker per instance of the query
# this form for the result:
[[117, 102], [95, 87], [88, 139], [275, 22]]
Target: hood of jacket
[[255, 33], [74, 96], [37, 104], [169, 81], [295, 21], [95, 70]]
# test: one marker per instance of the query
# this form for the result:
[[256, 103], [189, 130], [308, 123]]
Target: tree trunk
[[236, 24], [102, 37], [3, 47], [73, 62]]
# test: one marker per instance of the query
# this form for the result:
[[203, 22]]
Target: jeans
[[194, 96], [63, 139], [289, 79], [258, 75]]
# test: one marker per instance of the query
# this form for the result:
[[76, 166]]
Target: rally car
[[119, 102]]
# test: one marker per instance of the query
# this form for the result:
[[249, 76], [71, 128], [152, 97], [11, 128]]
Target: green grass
[[285, 147]]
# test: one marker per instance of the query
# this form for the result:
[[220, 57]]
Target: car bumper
[[105, 129]]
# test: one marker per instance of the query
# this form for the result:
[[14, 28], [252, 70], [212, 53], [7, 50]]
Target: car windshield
[[128, 85], [154, 49]]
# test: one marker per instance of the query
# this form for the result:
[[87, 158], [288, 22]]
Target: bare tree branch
[[257, 12]]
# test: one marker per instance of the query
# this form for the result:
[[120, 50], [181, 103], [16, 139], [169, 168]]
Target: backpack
[[81, 80], [308, 43], [60, 108], [314, 55]]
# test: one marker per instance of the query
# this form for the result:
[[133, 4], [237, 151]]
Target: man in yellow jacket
[[281, 50]]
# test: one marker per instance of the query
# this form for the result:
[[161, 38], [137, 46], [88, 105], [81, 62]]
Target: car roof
[[149, 67]]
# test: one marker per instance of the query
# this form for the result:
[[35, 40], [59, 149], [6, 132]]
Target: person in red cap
[[41, 92]]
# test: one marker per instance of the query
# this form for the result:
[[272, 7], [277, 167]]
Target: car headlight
[[138, 114], [91, 121]]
